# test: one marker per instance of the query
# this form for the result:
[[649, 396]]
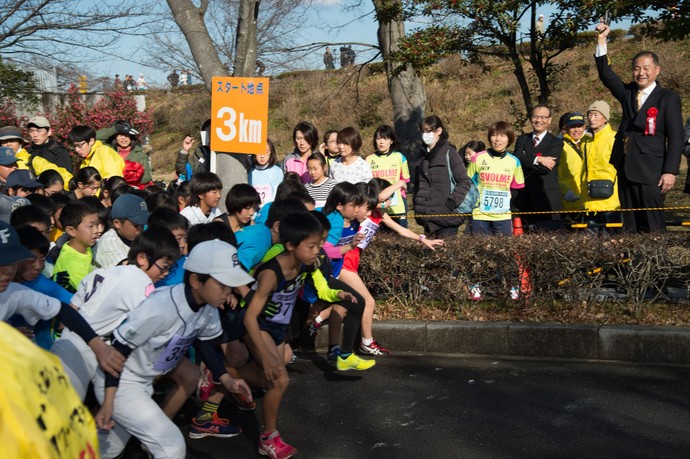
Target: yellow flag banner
[[40, 414]]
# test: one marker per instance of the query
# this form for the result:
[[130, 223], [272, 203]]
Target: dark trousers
[[638, 196]]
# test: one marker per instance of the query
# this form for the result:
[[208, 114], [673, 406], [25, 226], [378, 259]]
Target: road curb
[[570, 341]]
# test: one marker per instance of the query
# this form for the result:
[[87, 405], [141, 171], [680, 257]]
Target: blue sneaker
[[216, 427], [333, 354]]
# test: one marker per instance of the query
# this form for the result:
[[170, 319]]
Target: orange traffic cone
[[517, 226], [523, 272]]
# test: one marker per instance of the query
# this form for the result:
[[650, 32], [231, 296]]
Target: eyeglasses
[[540, 117], [168, 269], [80, 145]]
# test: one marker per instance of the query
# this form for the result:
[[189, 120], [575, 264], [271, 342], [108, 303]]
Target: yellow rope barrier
[[550, 212]]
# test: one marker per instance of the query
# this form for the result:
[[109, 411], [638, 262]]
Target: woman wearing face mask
[[432, 188]]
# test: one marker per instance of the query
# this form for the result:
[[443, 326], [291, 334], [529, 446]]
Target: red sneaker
[[205, 386], [275, 448]]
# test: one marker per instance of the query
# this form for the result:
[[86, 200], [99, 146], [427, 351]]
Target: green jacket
[[137, 154]]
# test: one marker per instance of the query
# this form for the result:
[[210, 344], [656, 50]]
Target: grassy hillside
[[465, 97]]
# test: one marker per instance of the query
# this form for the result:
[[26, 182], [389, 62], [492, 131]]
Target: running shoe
[[275, 448], [352, 362], [205, 386], [475, 293], [514, 293], [373, 349], [243, 402], [333, 354], [314, 328], [216, 427]]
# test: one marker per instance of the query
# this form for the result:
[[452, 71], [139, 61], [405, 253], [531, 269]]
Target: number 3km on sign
[[239, 114]]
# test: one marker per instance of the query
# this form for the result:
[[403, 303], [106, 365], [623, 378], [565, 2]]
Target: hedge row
[[549, 269]]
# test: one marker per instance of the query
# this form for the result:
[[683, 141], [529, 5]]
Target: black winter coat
[[432, 187]]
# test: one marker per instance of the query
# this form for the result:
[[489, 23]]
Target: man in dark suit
[[649, 143], [539, 153]]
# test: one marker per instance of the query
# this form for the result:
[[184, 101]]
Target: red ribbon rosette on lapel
[[650, 125]]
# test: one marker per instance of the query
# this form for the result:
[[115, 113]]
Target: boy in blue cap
[[129, 215]]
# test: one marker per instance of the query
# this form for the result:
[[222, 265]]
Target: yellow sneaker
[[352, 362]]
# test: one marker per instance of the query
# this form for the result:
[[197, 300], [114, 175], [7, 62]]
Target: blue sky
[[336, 25]]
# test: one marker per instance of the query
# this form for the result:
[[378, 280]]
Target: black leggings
[[351, 323], [353, 319]]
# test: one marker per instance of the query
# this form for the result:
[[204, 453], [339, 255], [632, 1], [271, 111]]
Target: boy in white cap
[[155, 338]]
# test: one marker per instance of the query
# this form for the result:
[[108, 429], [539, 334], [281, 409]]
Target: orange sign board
[[239, 114]]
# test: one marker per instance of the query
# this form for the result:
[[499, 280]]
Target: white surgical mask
[[428, 138], [205, 137]]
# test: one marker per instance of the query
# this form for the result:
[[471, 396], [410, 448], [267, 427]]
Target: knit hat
[[601, 107]]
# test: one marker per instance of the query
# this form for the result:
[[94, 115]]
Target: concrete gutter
[[569, 341]]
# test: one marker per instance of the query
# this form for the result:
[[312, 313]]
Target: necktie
[[640, 99], [536, 140]]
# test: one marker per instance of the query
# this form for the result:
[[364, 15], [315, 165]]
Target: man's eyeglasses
[[540, 117]]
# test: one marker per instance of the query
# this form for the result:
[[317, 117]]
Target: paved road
[[420, 406]]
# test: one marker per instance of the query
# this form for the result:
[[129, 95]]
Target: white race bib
[[495, 201], [265, 193], [369, 229], [173, 353]]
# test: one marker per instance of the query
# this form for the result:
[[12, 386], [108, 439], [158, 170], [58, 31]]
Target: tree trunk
[[245, 41], [190, 19], [406, 90]]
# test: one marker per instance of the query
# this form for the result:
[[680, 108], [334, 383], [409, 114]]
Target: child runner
[[267, 320], [105, 296], [154, 338], [29, 274], [128, 216], [391, 165], [321, 184], [52, 182], [350, 167], [370, 217], [265, 175], [80, 221], [241, 203], [86, 182], [205, 189]]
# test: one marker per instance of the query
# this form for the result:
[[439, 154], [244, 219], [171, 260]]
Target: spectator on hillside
[[44, 145], [328, 59], [539, 26], [184, 78], [142, 85], [539, 153], [649, 143], [174, 79]]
